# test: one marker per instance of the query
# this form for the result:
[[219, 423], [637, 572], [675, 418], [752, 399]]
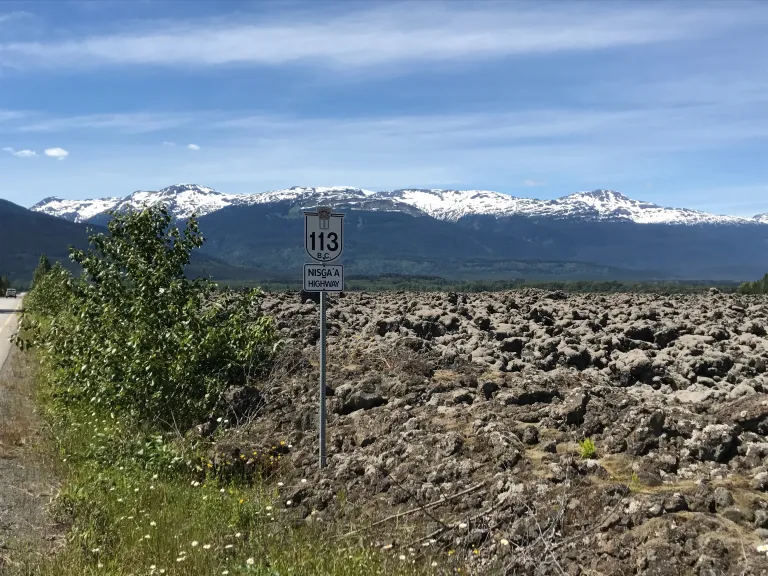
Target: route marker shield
[[323, 234]]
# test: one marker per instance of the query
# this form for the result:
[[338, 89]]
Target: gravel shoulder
[[27, 480]]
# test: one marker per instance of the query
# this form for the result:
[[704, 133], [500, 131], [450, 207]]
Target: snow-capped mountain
[[74, 210], [185, 199], [182, 200]]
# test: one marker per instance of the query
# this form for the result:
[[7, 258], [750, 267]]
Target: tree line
[[756, 287]]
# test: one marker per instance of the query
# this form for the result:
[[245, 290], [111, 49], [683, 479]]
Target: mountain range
[[455, 234], [183, 200]]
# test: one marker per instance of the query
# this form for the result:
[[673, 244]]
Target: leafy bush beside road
[[133, 335]]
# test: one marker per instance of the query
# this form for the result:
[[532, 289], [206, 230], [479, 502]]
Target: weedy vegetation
[[587, 449], [133, 355]]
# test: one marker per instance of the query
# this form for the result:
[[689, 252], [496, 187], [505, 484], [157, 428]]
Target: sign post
[[322, 418], [323, 242]]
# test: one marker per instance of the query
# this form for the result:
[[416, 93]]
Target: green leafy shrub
[[588, 448], [756, 287], [43, 267], [51, 295], [134, 335]]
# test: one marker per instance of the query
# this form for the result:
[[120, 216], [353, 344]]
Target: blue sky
[[663, 101]]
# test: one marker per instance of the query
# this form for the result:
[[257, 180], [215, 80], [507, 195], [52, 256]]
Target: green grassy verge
[[137, 503]]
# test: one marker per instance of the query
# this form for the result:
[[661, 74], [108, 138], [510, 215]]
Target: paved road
[[8, 321]]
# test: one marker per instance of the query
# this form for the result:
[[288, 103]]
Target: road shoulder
[[27, 482]]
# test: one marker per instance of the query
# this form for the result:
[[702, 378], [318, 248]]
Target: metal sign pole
[[323, 243], [322, 379]]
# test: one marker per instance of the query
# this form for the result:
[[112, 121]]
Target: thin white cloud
[[58, 153], [132, 123], [533, 183], [6, 115], [9, 16], [20, 153], [664, 125], [394, 33], [703, 127], [166, 143]]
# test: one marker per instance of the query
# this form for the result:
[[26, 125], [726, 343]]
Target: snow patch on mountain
[[595, 204], [183, 200], [76, 210], [308, 196], [610, 204], [455, 204]]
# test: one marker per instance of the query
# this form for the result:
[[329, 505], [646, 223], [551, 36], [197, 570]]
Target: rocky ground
[[464, 413]]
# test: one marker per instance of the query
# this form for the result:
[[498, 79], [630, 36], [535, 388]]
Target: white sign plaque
[[323, 278]]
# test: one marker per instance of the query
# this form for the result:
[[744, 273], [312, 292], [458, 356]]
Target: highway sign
[[323, 242], [323, 277], [323, 234]]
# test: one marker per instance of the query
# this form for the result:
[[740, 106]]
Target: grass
[[587, 449], [129, 522], [136, 504]]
